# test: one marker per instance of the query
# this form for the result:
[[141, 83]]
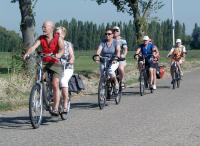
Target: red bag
[[162, 71]]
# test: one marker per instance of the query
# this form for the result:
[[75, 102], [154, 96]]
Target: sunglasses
[[117, 30], [108, 33]]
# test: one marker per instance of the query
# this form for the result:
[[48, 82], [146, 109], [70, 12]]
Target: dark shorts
[[151, 64], [57, 69]]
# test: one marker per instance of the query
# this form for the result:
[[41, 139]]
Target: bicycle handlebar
[[105, 57]]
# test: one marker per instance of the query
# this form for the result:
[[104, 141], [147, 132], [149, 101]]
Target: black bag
[[158, 71], [76, 84]]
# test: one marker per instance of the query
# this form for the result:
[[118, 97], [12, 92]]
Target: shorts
[[111, 69], [122, 62], [57, 69], [151, 64], [66, 77]]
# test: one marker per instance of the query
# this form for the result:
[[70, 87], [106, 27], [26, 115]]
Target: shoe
[[181, 73], [123, 85], [154, 87], [54, 113], [116, 89], [65, 111]]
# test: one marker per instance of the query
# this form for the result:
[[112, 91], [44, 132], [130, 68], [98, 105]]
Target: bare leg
[[56, 96], [121, 71], [151, 76], [65, 96]]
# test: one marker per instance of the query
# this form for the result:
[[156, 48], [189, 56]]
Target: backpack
[[76, 84]]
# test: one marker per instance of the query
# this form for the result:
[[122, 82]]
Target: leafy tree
[[195, 44], [9, 41], [139, 9], [27, 27]]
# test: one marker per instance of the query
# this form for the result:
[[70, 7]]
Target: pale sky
[[186, 11]]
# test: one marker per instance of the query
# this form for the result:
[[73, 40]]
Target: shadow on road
[[84, 105], [164, 87], [22, 123]]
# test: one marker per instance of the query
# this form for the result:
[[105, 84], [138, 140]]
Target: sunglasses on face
[[116, 30], [108, 34]]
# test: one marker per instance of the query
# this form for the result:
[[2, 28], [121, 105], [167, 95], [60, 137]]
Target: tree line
[[87, 35]]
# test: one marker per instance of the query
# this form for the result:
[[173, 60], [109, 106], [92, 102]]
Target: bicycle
[[143, 75], [41, 95], [176, 75], [106, 86]]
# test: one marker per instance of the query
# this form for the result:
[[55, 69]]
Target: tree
[[195, 44], [139, 9], [27, 27]]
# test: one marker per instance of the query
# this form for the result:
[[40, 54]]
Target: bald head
[[48, 27]]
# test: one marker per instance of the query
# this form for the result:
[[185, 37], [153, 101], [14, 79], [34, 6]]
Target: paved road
[[166, 118]]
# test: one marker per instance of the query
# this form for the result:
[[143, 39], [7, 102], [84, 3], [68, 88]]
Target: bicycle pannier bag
[[76, 83]]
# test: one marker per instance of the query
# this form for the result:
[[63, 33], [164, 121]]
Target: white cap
[[116, 27], [145, 38], [178, 40]]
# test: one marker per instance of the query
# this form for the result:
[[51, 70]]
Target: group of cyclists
[[113, 46]]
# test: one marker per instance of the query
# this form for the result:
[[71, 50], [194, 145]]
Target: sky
[[185, 11]]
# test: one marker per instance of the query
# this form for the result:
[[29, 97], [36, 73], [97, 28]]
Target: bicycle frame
[[175, 72]]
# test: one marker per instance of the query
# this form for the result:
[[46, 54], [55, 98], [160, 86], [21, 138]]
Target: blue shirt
[[148, 50], [108, 51]]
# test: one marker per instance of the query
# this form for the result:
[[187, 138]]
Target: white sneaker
[[154, 87]]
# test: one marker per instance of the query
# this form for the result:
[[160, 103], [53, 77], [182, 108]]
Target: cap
[[178, 40], [145, 38]]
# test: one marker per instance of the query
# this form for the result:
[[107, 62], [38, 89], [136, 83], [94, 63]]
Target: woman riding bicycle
[[67, 60], [51, 43], [150, 53], [110, 47]]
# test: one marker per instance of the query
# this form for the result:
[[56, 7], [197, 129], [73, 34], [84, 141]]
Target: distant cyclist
[[123, 53], [151, 54], [110, 47], [67, 60], [177, 53]]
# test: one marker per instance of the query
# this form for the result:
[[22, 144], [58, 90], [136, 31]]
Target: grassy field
[[84, 63], [14, 89]]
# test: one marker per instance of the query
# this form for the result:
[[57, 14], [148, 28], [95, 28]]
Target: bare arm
[[99, 49], [61, 46], [118, 50], [32, 48], [170, 52], [71, 54], [156, 54]]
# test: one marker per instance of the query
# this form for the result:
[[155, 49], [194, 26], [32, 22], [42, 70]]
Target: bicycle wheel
[[174, 81], [178, 79], [102, 94], [36, 106], [142, 83], [119, 95]]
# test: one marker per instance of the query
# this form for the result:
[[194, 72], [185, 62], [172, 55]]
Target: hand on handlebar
[[26, 56]]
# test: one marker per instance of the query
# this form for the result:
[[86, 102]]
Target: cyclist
[[151, 54], [67, 60], [110, 47], [50, 43], [123, 53], [177, 53]]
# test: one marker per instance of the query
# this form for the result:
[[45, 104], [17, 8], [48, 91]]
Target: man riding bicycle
[[109, 47], [51, 44], [177, 54], [150, 53], [123, 53]]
